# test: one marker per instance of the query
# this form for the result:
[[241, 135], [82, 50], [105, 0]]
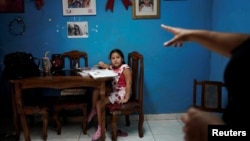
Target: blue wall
[[169, 72], [228, 16]]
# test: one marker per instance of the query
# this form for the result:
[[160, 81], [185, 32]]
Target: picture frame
[[16, 6], [77, 29], [146, 9], [79, 7]]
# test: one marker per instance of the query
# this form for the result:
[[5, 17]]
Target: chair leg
[[84, 122], [26, 131], [114, 126], [140, 124], [57, 121], [127, 120], [45, 125]]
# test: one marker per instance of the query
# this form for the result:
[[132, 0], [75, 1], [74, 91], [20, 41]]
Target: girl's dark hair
[[119, 52]]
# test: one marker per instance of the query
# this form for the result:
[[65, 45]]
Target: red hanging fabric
[[110, 4], [39, 4], [126, 3]]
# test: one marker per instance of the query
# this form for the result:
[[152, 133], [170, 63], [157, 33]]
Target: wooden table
[[54, 82]]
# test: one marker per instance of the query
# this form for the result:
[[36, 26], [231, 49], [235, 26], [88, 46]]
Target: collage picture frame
[[79, 7]]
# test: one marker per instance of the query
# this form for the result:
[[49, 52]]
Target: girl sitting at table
[[121, 88]]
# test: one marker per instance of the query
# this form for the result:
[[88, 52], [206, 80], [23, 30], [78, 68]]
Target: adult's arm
[[220, 42]]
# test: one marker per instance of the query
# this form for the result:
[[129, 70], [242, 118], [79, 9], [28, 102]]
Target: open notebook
[[98, 73]]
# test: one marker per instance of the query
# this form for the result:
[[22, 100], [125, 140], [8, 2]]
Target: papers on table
[[98, 73]]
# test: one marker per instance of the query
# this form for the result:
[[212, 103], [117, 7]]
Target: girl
[[121, 87]]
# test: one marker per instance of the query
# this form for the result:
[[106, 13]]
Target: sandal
[[97, 134]]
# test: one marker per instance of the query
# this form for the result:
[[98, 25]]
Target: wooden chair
[[208, 95], [72, 101], [74, 57], [135, 104], [34, 105]]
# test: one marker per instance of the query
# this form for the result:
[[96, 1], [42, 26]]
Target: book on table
[[98, 73]]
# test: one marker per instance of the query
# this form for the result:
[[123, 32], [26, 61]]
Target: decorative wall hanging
[[17, 26], [12, 6], [77, 29], [79, 7], [110, 4], [146, 9]]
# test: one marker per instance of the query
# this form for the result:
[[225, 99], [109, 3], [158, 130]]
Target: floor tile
[[153, 130], [165, 127], [169, 137]]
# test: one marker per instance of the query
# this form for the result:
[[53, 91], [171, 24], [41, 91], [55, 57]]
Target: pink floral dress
[[118, 85]]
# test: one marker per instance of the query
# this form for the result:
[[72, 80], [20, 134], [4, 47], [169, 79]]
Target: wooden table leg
[[15, 118], [103, 114], [20, 111]]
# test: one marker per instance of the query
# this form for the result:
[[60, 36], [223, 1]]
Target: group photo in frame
[[77, 29], [146, 9], [79, 7], [12, 6]]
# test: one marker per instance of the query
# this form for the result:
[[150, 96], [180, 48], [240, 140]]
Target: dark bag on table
[[19, 65]]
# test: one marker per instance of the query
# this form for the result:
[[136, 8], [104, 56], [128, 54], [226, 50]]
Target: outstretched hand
[[180, 36], [196, 124]]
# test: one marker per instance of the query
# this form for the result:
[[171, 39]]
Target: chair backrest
[[135, 61], [208, 95], [74, 57]]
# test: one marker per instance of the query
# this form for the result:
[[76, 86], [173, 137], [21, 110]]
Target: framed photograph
[[12, 6], [79, 7], [146, 9], [77, 29]]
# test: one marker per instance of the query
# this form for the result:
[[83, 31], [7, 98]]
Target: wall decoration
[[17, 26], [110, 4], [79, 7], [12, 6], [77, 29], [146, 9]]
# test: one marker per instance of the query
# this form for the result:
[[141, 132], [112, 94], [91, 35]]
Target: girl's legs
[[100, 106], [95, 97]]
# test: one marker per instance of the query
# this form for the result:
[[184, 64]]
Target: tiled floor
[[155, 129]]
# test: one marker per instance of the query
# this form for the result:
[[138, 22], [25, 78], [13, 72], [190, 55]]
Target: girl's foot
[[97, 134], [91, 115]]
